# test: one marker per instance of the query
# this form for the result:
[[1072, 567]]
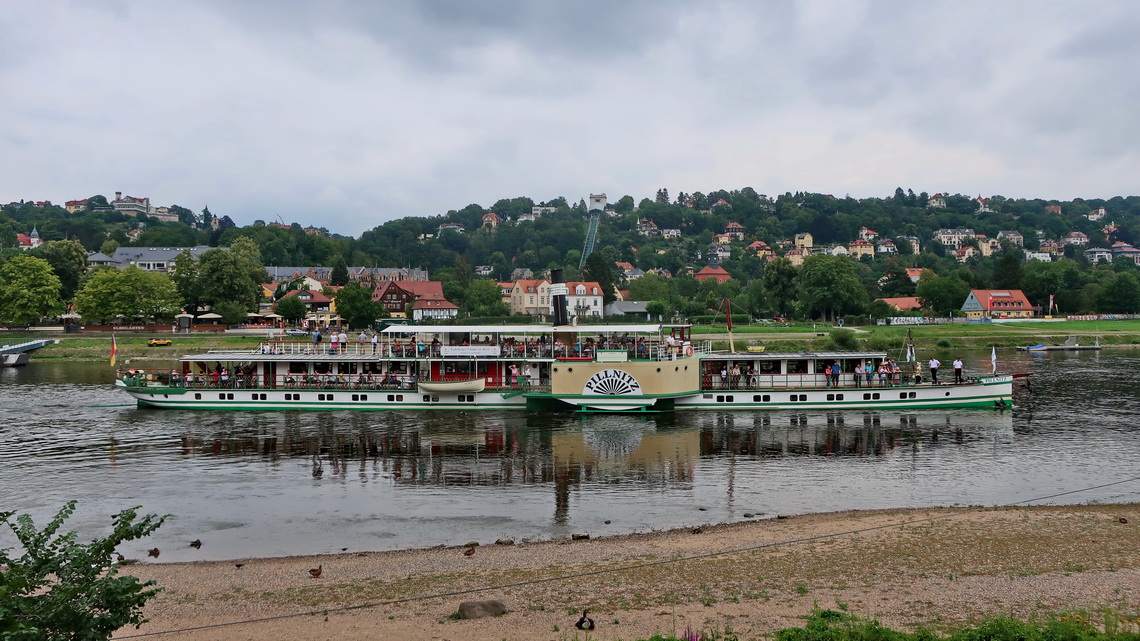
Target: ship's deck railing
[[364, 382], [745, 382], [643, 350]]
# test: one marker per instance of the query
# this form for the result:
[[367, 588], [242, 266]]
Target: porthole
[[399, 398], [320, 397], [902, 394], [435, 399], [221, 397], [427, 399], [356, 397], [364, 397], [569, 369], [831, 397], [556, 369], [658, 370], [391, 397], [197, 397], [866, 396], [875, 396], [948, 393], [839, 397]]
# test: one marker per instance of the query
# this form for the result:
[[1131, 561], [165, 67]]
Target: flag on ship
[[993, 359], [114, 349]]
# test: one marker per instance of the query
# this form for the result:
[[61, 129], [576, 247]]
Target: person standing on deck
[[836, 372], [333, 338], [343, 341], [934, 365], [859, 374], [375, 342]]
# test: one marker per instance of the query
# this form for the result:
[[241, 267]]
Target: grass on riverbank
[[832, 625], [795, 337]]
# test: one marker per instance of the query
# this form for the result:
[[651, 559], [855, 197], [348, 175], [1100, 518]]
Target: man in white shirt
[[934, 365], [958, 378], [375, 341]]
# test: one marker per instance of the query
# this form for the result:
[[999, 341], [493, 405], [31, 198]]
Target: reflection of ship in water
[[780, 434], [459, 449]]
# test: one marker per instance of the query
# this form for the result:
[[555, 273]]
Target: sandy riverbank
[[905, 567]]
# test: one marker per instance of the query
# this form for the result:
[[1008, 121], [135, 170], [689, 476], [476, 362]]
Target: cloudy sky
[[345, 114]]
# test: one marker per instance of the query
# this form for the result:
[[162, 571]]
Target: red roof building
[[717, 272]]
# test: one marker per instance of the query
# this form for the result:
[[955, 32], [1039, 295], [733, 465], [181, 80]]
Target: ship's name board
[[612, 382], [469, 350]]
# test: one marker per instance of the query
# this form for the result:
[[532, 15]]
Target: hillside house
[[860, 248], [1077, 238], [886, 248], [1097, 214], [1013, 236], [1098, 255], [953, 237], [914, 242], [937, 200], [804, 241], [735, 230], [796, 256], [647, 227], [29, 241], [868, 235], [1053, 209], [709, 271]]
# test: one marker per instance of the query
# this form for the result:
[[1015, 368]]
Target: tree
[[68, 259], [1008, 274], [1121, 295], [131, 293], [354, 302], [62, 589], [942, 294], [600, 269], [829, 287], [339, 275], [485, 299], [780, 283], [30, 290], [291, 308], [233, 275]]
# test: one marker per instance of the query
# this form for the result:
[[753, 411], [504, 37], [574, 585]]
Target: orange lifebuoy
[[689, 350]]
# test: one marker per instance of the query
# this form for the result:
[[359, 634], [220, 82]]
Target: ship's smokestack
[[558, 293]]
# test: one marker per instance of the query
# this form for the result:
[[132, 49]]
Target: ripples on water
[[279, 483]]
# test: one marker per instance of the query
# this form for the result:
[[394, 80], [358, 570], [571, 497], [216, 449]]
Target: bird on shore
[[1123, 520], [316, 572], [238, 565], [153, 552], [585, 623], [469, 551], [196, 544], [120, 558]]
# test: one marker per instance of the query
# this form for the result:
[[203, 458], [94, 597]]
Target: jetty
[[1069, 345], [17, 354]]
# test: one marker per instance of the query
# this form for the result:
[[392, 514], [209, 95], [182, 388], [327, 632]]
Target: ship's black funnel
[[558, 293]]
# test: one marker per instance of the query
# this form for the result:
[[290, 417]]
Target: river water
[[254, 484]]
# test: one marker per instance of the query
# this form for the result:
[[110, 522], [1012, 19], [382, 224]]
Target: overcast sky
[[345, 114]]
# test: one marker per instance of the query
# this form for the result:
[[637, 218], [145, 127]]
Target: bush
[[61, 589]]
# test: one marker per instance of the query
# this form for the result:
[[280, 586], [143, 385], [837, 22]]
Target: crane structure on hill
[[591, 236]]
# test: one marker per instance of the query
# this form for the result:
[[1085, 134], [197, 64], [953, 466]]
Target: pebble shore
[[907, 568]]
